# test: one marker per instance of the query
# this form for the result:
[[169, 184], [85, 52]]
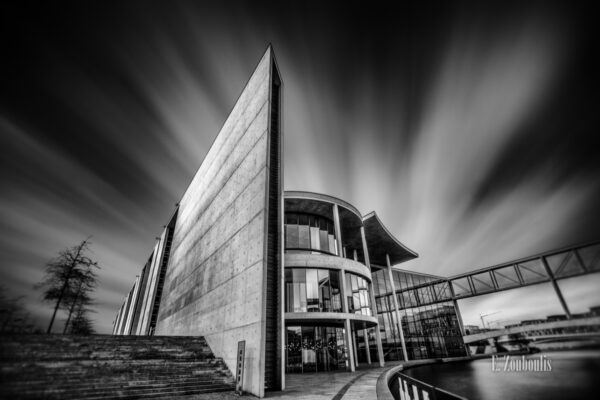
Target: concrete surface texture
[[214, 285]]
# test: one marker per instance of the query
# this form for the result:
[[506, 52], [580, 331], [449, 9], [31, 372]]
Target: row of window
[[406, 298], [429, 332], [319, 290], [309, 232]]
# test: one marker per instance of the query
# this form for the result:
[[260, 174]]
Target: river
[[573, 375]]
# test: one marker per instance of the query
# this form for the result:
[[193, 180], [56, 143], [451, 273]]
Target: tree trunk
[[62, 291], [72, 308]]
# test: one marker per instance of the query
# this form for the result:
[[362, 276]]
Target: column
[[563, 303], [123, 315], [347, 326], [367, 349], [132, 306], [372, 296], [396, 308], [148, 304], [338, 230], [458, 317], [355, 347], [117, 321]]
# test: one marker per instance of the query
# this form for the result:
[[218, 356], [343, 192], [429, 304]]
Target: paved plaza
[[359, 385]]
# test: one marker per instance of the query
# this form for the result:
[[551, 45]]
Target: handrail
[[413, 389]]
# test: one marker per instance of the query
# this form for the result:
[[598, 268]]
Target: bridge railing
[[414, 389]]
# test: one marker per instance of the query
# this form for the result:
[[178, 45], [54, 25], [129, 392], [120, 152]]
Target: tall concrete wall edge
[[263, 327]]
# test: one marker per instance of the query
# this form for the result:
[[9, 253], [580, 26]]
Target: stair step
[[104, 366]]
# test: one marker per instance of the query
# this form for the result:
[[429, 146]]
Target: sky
[[469, 129]]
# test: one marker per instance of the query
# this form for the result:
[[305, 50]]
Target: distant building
[[557, 317], [472, 329]]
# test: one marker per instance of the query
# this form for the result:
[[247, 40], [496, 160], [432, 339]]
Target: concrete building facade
[[300, 277]]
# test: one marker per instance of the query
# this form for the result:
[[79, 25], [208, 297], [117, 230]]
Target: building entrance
[[315, 349]]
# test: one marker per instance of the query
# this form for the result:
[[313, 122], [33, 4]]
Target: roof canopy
[[381, 242]]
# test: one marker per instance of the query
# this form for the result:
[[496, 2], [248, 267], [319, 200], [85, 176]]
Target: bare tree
[[80, 299], [66, 277]]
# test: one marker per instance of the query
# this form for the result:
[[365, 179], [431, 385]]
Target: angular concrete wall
[[215, 280]]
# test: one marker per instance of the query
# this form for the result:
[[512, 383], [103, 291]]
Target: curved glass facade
[[312, 290], [315, 349], [359, 300], [310, 232]]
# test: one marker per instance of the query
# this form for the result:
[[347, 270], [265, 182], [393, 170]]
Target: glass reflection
[[312, 290], [358, 294], [430, 330], [310, 232], [315, 349]]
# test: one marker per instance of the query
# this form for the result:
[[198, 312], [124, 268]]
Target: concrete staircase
[[105, 366]]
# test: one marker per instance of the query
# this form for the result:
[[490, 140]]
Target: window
[[358, 294], [312, 290], [310, 232]]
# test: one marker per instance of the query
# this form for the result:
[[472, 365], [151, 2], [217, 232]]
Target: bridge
[[543, 330]]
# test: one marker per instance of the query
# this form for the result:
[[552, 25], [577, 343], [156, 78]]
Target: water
[[574, 375]]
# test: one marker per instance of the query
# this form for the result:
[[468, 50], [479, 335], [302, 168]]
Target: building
[[305, 279]]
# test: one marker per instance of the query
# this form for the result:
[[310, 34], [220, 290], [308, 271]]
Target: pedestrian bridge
[[542, 328]]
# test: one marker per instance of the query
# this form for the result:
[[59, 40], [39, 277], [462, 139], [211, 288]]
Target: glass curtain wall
[[429, 319], [361, 343], [432, 331], [312, 290], [315, 349], [388, 323], [359, 301], [310, 232]]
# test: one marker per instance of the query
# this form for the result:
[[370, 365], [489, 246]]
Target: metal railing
[[413, 389]]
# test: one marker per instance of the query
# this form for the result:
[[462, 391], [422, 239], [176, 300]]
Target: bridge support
[[563, 303], [493, 344]]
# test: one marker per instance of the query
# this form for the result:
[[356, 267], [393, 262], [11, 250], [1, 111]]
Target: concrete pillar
[[367, 349], [338, 229], [396, 308], [347, 325], [460, 324], [372, 297], [132, 305], [349, 344], [148, 304], [123, 315], [118, 321], [458, 316], [355, 348], [563, 303]]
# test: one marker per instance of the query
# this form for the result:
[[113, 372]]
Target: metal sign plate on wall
[[239, 376]]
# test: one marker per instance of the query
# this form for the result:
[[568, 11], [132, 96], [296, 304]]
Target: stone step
[[124, 393], [112, 387], [58, 379], [170, 395], [102, 366], [103, 382], [131, 364], [14, 353]]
